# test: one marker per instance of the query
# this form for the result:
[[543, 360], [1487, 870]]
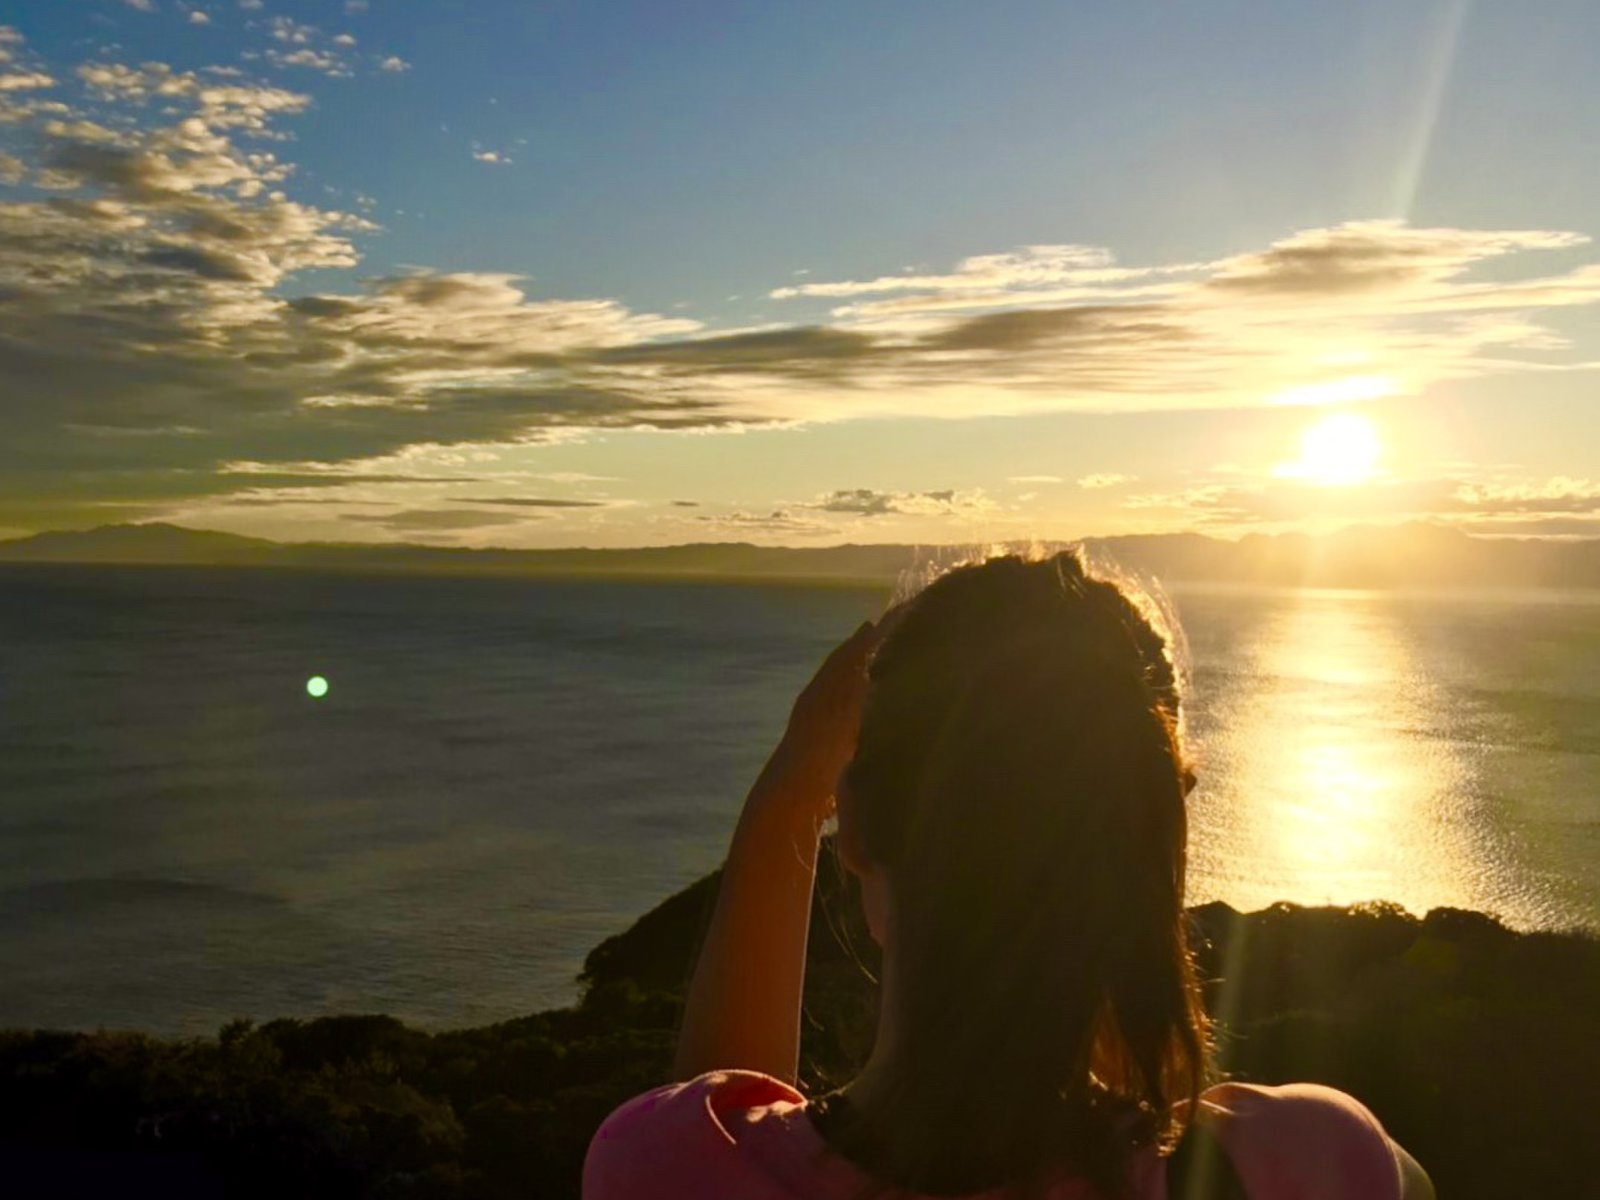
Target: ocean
[[503, 772]]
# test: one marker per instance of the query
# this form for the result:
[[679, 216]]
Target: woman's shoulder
[[681, 1136], [734, 1133], [1302, 1140]]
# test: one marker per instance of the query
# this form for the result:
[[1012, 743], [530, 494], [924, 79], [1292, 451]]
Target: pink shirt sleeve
[[731, 1134], [1304, 1141], [671, 1141]]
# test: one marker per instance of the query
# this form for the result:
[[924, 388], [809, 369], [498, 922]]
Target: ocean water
[[503, 772]]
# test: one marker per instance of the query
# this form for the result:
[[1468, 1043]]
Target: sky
[[504, 272]]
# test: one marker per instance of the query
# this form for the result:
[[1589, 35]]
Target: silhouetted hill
[[1475, 1045], [1417, 555], [149, 543], [172, 544]]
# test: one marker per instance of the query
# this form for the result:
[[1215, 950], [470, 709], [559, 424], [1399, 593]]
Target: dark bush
[[1474, 1044]]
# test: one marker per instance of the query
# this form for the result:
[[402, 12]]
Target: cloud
[[23, 81], [865, 502], [776, 521], [577, 477], [987, 274], [491, 156], [145, 6], [196, 17], [286, 29], [821, 518], [1540, 527], [1561, 494], [533, 502], [1479, 504], [248, 108], [1360, 310], [800, 353], [1104, 479], [169, 305], [315, 60], [1364, 257], [142, 331], [354, 7], [437, 519], [297, 45]]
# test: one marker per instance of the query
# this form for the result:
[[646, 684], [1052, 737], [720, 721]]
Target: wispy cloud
[[980, 280], [295, 44], [1104, 479], [422, 520], [25, 81], [533, 502], [313, 60], [776, 522], [1476, 503], [866, 502], [286, 29], [138, 295]]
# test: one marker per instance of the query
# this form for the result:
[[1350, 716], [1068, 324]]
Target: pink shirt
[[741, 1135]]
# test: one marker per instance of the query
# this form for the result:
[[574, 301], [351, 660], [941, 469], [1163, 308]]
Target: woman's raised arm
[[743, 1008]]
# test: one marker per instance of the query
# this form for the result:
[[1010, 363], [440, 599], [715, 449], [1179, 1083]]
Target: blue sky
[[540, 274]]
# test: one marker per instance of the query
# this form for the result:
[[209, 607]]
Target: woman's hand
[[821, 736], [743, 1006]]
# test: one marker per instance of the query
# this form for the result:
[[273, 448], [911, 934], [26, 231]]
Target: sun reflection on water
[[1328, 781]]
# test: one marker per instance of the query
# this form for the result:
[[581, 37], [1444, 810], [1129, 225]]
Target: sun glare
[[1339, 391], [1340, 449]]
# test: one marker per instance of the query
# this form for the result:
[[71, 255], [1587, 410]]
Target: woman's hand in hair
[[743, 1006], [821, 736]]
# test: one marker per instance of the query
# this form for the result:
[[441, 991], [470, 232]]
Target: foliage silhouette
[[1474, 1044]]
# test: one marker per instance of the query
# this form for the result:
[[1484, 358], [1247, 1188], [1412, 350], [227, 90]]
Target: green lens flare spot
[[316, 687]]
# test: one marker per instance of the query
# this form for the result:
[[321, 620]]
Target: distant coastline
[[1405, 556]]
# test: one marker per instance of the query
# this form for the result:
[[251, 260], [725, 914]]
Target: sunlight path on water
[[1337, 778]]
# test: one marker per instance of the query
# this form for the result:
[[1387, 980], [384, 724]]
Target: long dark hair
[[1019, 778]]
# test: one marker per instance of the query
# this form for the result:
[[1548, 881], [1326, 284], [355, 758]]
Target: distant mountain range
[[1417, 555]]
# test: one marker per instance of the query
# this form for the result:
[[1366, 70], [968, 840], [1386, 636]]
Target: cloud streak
[[866, 502], [1484, 506]]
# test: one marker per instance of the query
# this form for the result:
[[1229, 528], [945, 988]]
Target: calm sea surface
[[504, 772]]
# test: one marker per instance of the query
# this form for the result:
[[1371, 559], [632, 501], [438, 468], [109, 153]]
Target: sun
[[1342, 448]]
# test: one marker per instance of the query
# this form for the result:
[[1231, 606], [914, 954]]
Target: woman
[[1004, 752]]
